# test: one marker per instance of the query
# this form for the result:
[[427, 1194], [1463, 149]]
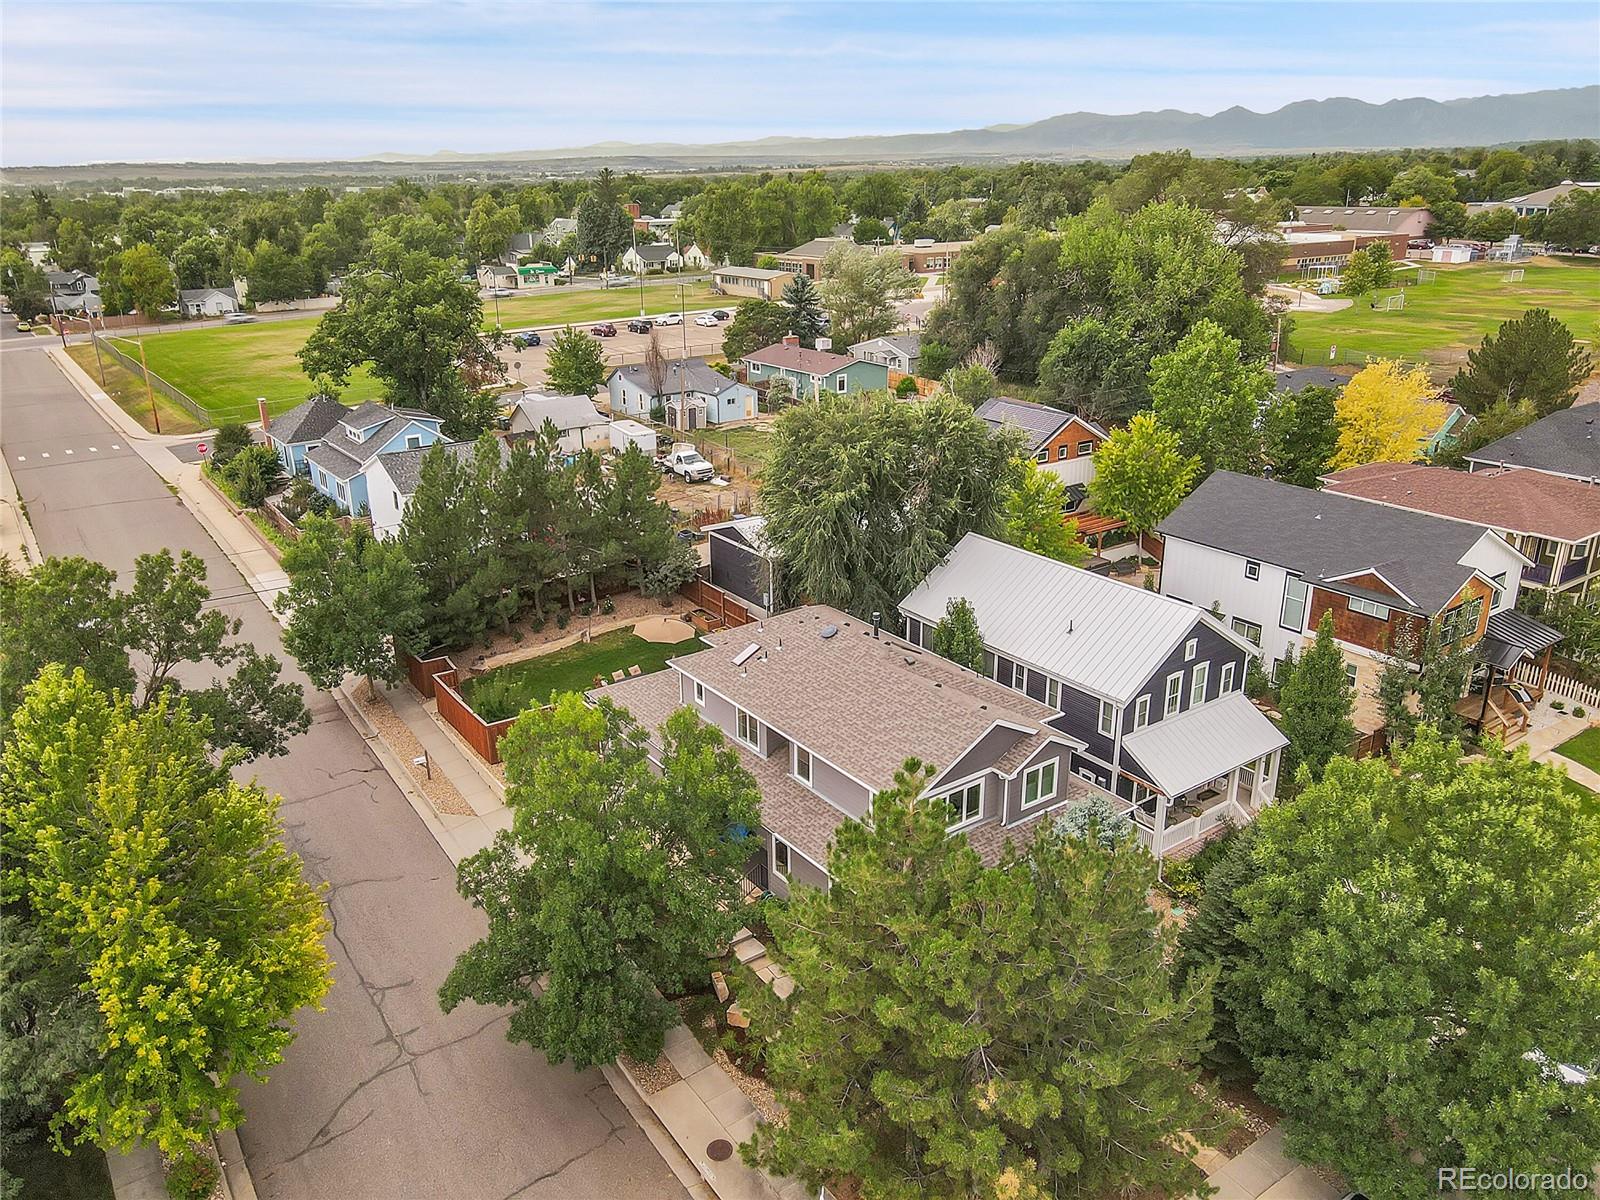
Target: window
[[1085, 449], [1063, 452], [1190, 649], [964, 806], [1043, 456], [1008, 674], [1108, 718], [843, 382], [1360, 605], [396, 499], [1226, 684], [802, 765], [413, 441], [1141, 712], [1350, 673], [1198, 679], [780, 856], [1174, 693], [699, 693], [342, 492], [1252, 569], [1052, 692], [1039, 784], [1499, 582], [1248, 630], [749, 728], [1293, 614]]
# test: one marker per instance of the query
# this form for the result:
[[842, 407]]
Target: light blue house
[[692, 395], [301, 429], [813, 372], [339, 464]]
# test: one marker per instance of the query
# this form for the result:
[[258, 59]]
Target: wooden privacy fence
[[725, 611], [437, 679]]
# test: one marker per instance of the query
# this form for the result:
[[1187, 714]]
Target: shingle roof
[[694, 371], [863, 704], [404, 467], [308, 421], [815, 248], [658, 252], [203, 292], [1098, 634], [343, 458], [1325, 537], [567, 412], [1566, 442], [367, 414], [1518, 501], [798, 358]]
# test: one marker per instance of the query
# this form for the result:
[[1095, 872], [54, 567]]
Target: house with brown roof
[[1555, 522], [1060, 442], [813, 372], [824, 708]]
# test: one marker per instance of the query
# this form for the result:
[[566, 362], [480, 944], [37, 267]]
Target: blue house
[[339, 463], [300, 430]]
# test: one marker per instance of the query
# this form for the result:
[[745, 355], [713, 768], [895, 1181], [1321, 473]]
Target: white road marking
[[69, 451], [94, 449], [22, 458], [44, 454], [114, 446]]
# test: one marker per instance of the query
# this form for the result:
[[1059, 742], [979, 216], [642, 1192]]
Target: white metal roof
[[1095, 633], [1184, 751]]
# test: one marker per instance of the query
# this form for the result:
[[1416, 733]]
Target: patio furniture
[[634, 670], [617, 676]]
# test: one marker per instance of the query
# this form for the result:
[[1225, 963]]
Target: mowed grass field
[[223, 368], [1450, 314]]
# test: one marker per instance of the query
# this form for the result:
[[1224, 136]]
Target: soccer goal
[[1512, 276], [1426, 276], [1394, 303]]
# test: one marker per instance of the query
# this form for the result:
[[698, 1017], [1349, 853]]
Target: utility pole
[[155, 415]]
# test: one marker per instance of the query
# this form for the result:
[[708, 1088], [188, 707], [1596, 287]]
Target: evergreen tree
[[1210, 942], [614, 883], [1036, 1051], [442, 536], [523, 517], [807, 321], [1300, 432], [756, 325], [1315, 696], [957, 636], [1533, 357]]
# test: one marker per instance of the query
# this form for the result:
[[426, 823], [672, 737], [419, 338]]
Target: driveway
[[381, 1095], [1264, 1172]]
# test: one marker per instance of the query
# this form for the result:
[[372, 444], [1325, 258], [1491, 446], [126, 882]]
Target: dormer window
[[353, 434], [413, 441]]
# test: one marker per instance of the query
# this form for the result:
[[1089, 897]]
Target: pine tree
[[1315, 696], [442, 535], [807, 320], [1533, 357], [1210, 942]]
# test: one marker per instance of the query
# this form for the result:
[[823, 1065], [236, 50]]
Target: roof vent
[[829, 630], [743, 656]]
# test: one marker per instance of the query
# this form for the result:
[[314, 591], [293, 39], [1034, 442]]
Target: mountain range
[[1334, 124]]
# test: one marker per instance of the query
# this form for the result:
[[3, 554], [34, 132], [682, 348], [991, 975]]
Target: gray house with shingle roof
[[1566, 443], [692, 395], [898, 351], [338, 465], [295, 433]]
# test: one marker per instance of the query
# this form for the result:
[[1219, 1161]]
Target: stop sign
[[201, 447]]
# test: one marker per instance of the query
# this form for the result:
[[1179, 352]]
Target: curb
[[660, 1137]]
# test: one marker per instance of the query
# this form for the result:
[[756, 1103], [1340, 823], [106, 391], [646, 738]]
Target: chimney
[[261, 407], [791, 339]]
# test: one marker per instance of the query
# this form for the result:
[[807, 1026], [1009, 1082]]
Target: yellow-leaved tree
[[1386, 413]]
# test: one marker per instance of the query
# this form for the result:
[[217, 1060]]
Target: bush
[[608, 606], [906, 387], [254, 473], [1580, 711], [1559, 705], [537, 624], [193, 1176], [231, 438], [562, 618], [585, 609], [1098, 814], [1180, 879]]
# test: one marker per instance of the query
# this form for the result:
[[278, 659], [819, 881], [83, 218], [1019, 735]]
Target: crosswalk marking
[[45, 454], [94, 449], [69, 451], [114, 446]]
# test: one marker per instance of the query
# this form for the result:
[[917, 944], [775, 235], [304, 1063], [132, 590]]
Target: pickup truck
[[687, 463]]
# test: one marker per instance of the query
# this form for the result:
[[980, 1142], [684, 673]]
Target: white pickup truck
[[686, 462]]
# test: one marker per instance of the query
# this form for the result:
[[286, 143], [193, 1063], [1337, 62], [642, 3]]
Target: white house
[[208, 302], [392, 480], [652, 257], [692, 395], [577, 422]]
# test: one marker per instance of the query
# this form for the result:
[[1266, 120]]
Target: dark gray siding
[[1213, 649], [1013, 788], [1080, 718], [738, 569], [988, 748]]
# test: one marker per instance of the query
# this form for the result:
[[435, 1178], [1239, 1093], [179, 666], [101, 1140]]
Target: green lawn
[[1450, 314], [1584, 749], [224, 368], [751, 444], [555, 305], [130, 394], [506, 691], [49, 1175]]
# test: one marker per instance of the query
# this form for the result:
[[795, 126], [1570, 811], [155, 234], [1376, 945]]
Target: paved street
[[381, 1095]]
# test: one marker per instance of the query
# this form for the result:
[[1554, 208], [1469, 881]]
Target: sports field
[[223, 368], [1450, 314]]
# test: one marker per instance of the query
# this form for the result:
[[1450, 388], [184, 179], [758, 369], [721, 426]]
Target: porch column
[[1158, 834], [1233, 786]]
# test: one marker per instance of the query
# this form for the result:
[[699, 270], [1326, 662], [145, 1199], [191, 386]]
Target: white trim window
[[1198, 678], [1141, 711], [1085, 449], [1108, 719], [1252, 569], [699, 693], [1052, 693], [1248, 630], [1174, 696], [843, 384], [1292, 615], [964, 805], [802, 764], [1226, 685], [747, 728], [1369, 608], [1190, 649], [781, 861], [1039, 784]]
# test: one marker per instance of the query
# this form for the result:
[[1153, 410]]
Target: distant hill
[[1335, 124]]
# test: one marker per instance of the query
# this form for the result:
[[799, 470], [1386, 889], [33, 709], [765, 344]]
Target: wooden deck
[[1506, 717]]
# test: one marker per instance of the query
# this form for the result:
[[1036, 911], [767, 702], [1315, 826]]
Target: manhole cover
[[720, 1150]]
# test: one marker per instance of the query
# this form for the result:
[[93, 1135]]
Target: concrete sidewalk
[[16, 535], [1263, 1171]]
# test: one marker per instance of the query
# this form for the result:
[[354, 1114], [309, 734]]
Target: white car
[[670, 319], [707, 320], [238, 318]]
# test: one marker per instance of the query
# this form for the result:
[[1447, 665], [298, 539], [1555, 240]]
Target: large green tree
[[959, 1030], [162, 889], [146, 277], [1533, 357], [1141, 474], [1315, 699], [353, 602], [1574, 219], [957, 637], [1211, 399], [1421, 953], [1210, 942], [614, 884], [756, 325], [26, 286], [864, 494], [443, 536], [861, 289], [490, 228], [1035, 516], [405, 309], [275, 274], [1299, 434], [575, 364]]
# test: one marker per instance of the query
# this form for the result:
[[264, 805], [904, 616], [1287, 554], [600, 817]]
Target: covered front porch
[[1513, 660]]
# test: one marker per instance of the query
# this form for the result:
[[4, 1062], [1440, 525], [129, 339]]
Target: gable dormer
[[361, 422]]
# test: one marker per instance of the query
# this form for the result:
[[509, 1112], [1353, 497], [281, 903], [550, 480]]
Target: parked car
[[502, 293], [24, 327], [670, 319], [523, 338], [603, 329], [640, 325], [239, 318], [706, 319], [688, 463], [721, 314]]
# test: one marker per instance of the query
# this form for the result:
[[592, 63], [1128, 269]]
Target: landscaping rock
[[736, 1017], [720, 985]]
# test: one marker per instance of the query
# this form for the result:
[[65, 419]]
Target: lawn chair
[[599, 681], [634, 670], [616, 677]]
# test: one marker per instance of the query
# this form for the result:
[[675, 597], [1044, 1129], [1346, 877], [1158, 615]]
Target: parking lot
[[527, 366]]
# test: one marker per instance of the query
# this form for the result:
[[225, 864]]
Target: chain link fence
[[175, 394]]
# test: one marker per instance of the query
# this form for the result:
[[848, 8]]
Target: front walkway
[[1263, 1171]]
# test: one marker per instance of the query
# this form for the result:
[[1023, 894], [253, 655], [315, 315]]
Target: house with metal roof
[[1061, 442], [823, 708], [1273, 558], [690, 394], [813, 372], [338, 465], [1151, 688], [1565, 443], [579, 425]]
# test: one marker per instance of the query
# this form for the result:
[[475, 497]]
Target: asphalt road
[[381, 1095]]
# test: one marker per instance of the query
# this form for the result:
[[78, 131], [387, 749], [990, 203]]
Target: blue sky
[[85, 81]]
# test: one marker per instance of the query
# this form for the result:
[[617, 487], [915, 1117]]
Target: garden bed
[[507, 690]]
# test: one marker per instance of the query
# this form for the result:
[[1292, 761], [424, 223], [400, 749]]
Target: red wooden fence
[[725, 610], [437, 679]]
